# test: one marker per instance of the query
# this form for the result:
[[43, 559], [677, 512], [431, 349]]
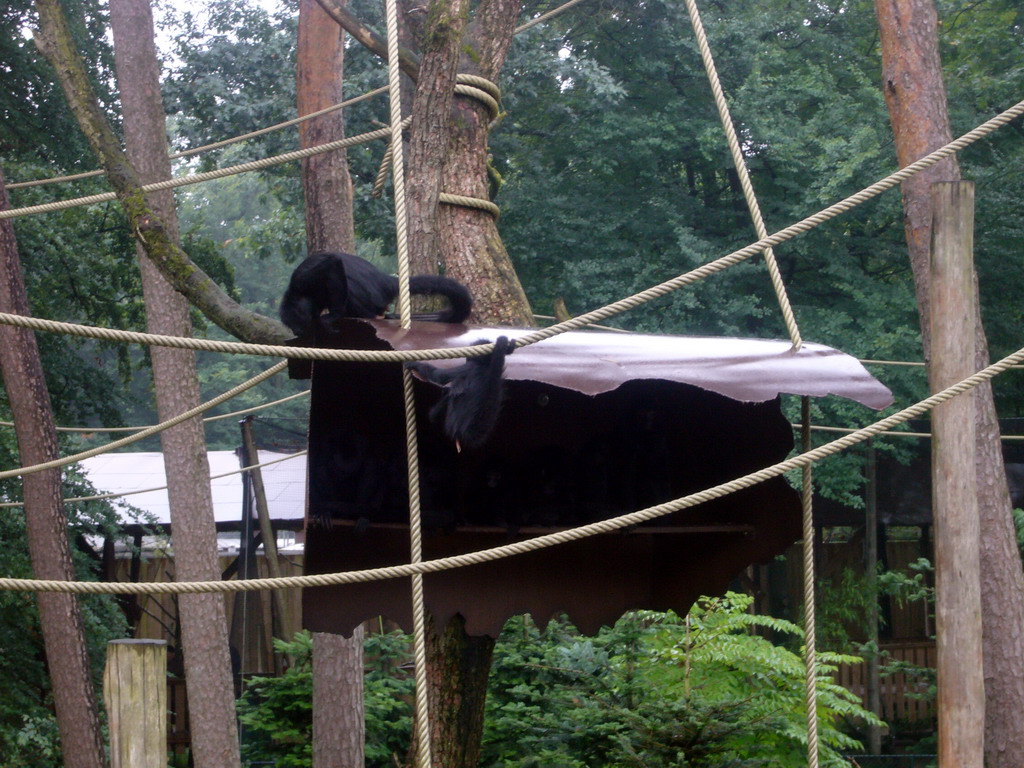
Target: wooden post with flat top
[[135, 695], [952, 292]]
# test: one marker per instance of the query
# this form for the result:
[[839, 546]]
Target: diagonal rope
[[196, 178], [214, 145], [137, 491], [580, 321], [545, 16], [540, 542], [577, 322], [201, 408], [740, 164], [219, 417]]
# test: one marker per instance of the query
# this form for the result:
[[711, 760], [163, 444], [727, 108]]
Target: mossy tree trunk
[[53, 37], [203, 617]]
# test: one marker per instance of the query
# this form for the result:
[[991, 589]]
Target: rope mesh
[[539, 542]]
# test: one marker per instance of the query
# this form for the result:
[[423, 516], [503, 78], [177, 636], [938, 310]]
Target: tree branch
[[54, 40], [408, 61]]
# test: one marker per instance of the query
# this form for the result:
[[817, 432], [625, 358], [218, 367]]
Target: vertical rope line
[[810, 652], [423, 757], [741, 169]]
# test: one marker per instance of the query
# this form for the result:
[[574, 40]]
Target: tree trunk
[[46, 525], [916, 99], [961, 700], [471, 248], [338, 721], [431, 131], [466, 240], [325, 178], [338, 725], [53, 37], [203, 616], [457, 670]]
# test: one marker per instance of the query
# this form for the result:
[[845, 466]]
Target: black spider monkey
[[350, 286], [472, 396]]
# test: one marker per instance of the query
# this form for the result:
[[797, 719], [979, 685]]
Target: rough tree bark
[[448, 153], [916, 99], [431, 131], [56, 43], [203, 617], [338, 722], [457, 669], [59, 614], [468, 246], [325, 179], [339, 732]]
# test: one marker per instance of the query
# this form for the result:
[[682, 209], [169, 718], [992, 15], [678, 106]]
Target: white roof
[[285, 484]]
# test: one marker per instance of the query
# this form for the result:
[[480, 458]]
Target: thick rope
[[419, 611], [477, 203], [216, 144], [740, 164], [103, 496], [303, 118], [196, 178], [540, 542], [779, 237], [236, 347], [201, 408], [580, 321], [481, 89], [810, 632], [243, 412]]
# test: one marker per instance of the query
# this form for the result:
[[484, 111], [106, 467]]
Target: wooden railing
[[899, 692]]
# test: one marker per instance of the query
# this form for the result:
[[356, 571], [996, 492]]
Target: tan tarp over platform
[[594, 425]]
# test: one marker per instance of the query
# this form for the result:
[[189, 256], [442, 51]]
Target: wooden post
[[961, 698], [252, 457], [871, 573], [135, 695]]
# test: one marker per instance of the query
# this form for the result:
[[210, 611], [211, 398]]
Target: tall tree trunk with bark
[[448, 153], [470, 246], [338, 721], [916, 99], [203, 616], [325, 178], [339, 730], [463, 241], [46, 525], [458, 667]]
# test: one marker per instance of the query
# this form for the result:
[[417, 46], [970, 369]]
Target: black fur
[[350, 286], [472, 396]]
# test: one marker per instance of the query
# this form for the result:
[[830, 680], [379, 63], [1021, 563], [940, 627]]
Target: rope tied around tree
[[472, 86]]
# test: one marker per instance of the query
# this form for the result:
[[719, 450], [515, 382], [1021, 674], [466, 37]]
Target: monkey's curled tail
[[460, 303]]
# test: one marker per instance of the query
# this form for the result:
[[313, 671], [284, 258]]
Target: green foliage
[[660, 690], [844, 601], [276, 712]]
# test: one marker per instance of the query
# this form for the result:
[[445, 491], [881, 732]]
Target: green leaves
[[659, 690]]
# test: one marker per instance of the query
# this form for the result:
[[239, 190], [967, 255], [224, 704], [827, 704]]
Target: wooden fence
[[899, 691]]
